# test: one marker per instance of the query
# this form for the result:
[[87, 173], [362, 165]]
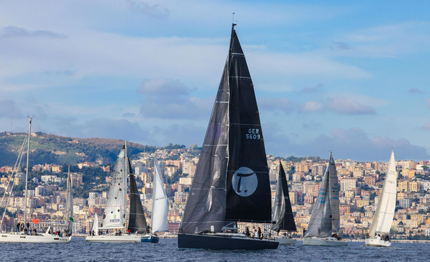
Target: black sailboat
[[282, 212], [231, 182]]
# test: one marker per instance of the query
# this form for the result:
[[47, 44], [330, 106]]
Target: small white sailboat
[[282, 212], [114, 216], [160, 204], [324, 223], [384, 214], [26, 236]]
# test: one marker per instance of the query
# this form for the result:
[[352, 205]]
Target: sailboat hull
[[150, 239], [120, 239], [328, 241], [35, 239], [285, 241], [377, 242], [229, 242]]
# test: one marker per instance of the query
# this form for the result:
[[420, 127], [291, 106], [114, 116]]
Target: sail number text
[[253, 133]]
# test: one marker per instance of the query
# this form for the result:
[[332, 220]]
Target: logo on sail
[[244, 181]]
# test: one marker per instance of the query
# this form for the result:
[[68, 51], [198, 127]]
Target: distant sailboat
[[324, 223], [282, 212], [34, 237], [160, 203], [114, 217], [231, 182], [383, 218]]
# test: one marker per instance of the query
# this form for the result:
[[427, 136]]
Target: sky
[[347, 76]]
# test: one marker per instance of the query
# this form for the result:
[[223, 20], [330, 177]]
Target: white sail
[[386, 206], [95, 228], [114, 213], [160, 206]]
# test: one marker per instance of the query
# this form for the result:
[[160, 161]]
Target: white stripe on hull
[[329, 241], [35, 239]]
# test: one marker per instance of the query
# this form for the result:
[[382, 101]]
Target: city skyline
[[327, 76]]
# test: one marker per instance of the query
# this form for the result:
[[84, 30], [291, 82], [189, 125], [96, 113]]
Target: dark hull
[[223, 242], [150, 239]]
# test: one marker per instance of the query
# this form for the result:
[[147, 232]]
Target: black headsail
[[233, 142], [137, 221], [248, 186], [283, 214]]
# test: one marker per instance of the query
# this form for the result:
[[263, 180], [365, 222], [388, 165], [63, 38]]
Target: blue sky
[[352, 77]]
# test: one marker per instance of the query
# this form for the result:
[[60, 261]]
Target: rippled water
[[166, 250]]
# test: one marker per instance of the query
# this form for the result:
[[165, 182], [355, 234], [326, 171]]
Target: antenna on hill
[[232, 19]]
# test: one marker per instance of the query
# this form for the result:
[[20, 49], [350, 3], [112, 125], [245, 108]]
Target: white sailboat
[[160, 203], [114, 217], [34, 237], [383, 218], [324, 223]]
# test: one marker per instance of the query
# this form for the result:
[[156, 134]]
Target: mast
[[26, 172], [127, 173]]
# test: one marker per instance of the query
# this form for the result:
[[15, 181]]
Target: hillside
[[52, 149]]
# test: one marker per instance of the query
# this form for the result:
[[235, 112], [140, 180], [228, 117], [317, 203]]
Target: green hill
[[52, 149]]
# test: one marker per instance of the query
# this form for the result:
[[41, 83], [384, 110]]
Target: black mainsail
[[282, 211], [231, 182], [137, 221]]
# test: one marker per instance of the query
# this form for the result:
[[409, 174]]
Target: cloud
[[13, 31], [340, 46], [103, 128], [352, 143], [149, 10], [8, 108], [341, 105], [186, 134], [345, 105], [312, 106], [170, 99], [276, 104], [311, 126], [312, 89], [426, 126], [415, 91]]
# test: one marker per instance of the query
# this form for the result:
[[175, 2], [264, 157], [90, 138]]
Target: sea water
[[167, 250]]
